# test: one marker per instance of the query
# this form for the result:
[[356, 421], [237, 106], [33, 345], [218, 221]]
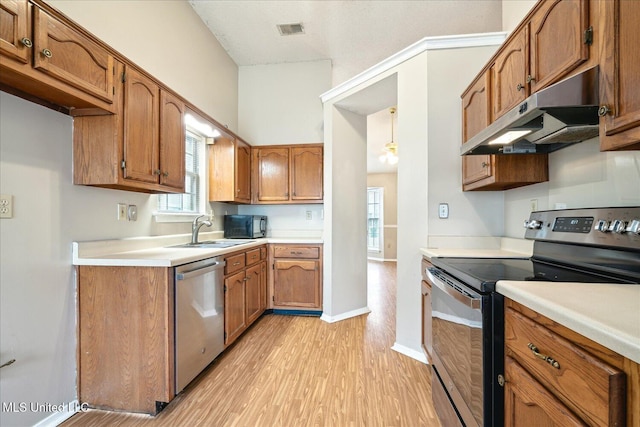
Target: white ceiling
[[353, 34]]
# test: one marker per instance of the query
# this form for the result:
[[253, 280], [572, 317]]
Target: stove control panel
[[608, 227]]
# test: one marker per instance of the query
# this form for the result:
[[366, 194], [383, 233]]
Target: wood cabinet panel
[[296, 283], [230, 171], [172, 141], [254, 294], [511, 171], [234, 263], [235, 320], [527, 402], [141, 109], [509, 74], [620, 76], [288, 251], [125, 337], [70, 57], [557, 41], [15, 30], [578, 377], [272, 174], [253, 256], [306, 173]]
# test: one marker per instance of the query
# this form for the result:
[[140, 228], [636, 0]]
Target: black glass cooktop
[[483, 273]]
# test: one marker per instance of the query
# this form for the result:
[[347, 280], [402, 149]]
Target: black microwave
[[245, 226]]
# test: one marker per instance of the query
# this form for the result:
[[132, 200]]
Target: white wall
[[579, 176], [470, 213], [513, 11], [279, 104], [169, 40], [37, 288]]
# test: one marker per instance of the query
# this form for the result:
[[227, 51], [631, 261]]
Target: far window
[[189, 201], [374, 219]]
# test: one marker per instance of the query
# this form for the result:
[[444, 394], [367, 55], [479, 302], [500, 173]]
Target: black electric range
[[596, 245]]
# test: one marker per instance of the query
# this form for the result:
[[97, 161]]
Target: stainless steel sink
[[213, 244]]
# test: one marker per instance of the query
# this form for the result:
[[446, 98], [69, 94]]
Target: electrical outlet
[[309, 216], [132, 213], [122, 212], [534, 205], [443, 210], [6, 206]]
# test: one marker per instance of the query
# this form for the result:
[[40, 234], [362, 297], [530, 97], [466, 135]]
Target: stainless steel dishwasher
[[199, 313]]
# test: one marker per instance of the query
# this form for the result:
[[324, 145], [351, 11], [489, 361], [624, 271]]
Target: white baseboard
[[347, 315], [382, 259], [417, 355], [57, 418]]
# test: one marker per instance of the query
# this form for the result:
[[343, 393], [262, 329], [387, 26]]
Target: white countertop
[[157, 251], [472, 253], [608, 314], [478, 247]]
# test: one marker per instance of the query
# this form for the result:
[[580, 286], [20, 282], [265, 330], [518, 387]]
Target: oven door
[[461, 346]]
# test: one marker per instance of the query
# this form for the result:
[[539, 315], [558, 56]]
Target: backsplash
[[579, 176]]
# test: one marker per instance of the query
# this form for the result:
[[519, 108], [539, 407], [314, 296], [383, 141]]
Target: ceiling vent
[[290, 29]]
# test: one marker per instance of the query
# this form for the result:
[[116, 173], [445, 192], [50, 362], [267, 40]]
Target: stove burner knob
[[602, 225], [534, 224], [618, 226], [634, 226], [526, 223]]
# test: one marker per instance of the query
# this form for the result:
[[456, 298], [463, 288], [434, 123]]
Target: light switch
[[443, 210], [122, 212]]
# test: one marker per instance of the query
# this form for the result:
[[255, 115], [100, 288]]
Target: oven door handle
[[467, 300]]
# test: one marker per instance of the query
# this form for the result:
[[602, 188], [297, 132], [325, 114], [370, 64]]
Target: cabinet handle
[[530, 78], [286, 194], [520, 87], [550, 360], [165, 174], [485, 164], [603, 111], [26, 42], [236, 263], [157, 172], [46, 52]]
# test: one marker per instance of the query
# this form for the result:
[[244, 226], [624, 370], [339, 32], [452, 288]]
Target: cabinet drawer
[[587, 385], [253, 256], [296, 252], [234, 263]]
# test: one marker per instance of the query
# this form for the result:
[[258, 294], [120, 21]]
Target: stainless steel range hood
[[553, 118]]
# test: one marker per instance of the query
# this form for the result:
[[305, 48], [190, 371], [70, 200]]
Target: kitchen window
[[182, 207], [374, 219]]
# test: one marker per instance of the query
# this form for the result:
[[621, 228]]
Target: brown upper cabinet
[[230, 170], [620, 76], [139, 149], [554, 41], [48, 60], [284, 174], [491, 172]]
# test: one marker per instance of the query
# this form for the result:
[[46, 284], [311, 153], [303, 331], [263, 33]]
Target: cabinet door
[[72, 58], [509, 75], [528, 403], [15, 31], [557, 41], [272, 174], [427, 334], [172, 137], [620, 77], [243, 172], [253, 294], [476, 116], [234, 312], [297, 283], [263, 286], [141, 128], [306, 173]]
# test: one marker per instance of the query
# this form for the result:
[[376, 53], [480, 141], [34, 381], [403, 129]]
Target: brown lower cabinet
[[557, 377], [245, 291], [296, 279], [126, 337], [427, 332]]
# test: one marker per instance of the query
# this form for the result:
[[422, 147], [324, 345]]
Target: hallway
[[301, 371]]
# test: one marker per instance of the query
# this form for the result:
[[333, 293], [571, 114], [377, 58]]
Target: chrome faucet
[[195, 228]]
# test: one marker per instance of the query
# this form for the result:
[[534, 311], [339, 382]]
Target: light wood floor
[[301, 371]]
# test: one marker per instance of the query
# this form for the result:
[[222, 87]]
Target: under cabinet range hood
[[553, 118]]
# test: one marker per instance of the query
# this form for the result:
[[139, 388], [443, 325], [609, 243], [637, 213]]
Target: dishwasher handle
[[199, 271]]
